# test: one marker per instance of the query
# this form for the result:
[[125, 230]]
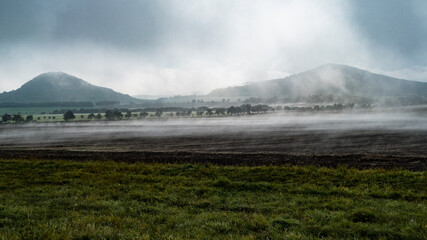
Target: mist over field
[[386, 132]]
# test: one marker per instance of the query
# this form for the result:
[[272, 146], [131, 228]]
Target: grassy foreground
[[44, 199]]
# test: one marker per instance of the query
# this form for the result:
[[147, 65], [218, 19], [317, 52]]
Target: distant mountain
[[329, 79], [61, 87]]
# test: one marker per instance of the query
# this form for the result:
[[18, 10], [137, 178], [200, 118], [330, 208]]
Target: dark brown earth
[[379, 142]]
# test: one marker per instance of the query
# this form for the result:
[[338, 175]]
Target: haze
[[318, 133], [175, 47]]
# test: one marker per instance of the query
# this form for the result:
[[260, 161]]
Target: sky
[[182, 47]]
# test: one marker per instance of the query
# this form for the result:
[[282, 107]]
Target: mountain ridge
[[317, 84], [335, 79]]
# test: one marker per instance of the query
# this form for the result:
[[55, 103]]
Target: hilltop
[[62, 87], [329, 79]]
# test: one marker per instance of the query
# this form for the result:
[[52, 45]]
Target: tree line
[[17, 118], [245, 109], [117, 114]]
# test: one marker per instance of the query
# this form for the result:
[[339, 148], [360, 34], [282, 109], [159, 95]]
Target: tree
[[17, 118], [91, 116], [69, 115], [231, 110], [109, 115], [98, 116], [220, 111], [246, 108], [200, 111], [189, 112], [112, 115], [143, 115], [6, 117], [128, 114], [260, 108], [159, 112], [118, 114], [29, 118]]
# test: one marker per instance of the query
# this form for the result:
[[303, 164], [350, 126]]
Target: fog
[[362, 131]]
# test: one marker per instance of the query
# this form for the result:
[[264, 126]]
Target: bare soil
[[388, 139]]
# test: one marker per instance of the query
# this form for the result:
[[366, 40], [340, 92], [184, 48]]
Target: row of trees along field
[[183, 112], [117, 114], [17, 118]]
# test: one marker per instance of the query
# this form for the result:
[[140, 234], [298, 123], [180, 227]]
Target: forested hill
[[62, 87], [329, 79]]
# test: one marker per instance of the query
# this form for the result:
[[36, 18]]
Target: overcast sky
[[170, 47]]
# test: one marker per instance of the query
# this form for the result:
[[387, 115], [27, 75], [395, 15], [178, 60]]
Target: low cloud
[[184, 47]]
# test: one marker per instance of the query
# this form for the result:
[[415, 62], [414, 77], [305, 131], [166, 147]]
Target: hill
[[61, 87], [329, 79]]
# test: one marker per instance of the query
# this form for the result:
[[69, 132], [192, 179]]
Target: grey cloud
[[141, 46], [394, 25], [120, 23], [133, 24], [21, 20]]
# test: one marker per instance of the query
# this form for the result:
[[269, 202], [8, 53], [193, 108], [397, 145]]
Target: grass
[[45, 199]]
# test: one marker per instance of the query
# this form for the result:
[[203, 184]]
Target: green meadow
[[57, 199]]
